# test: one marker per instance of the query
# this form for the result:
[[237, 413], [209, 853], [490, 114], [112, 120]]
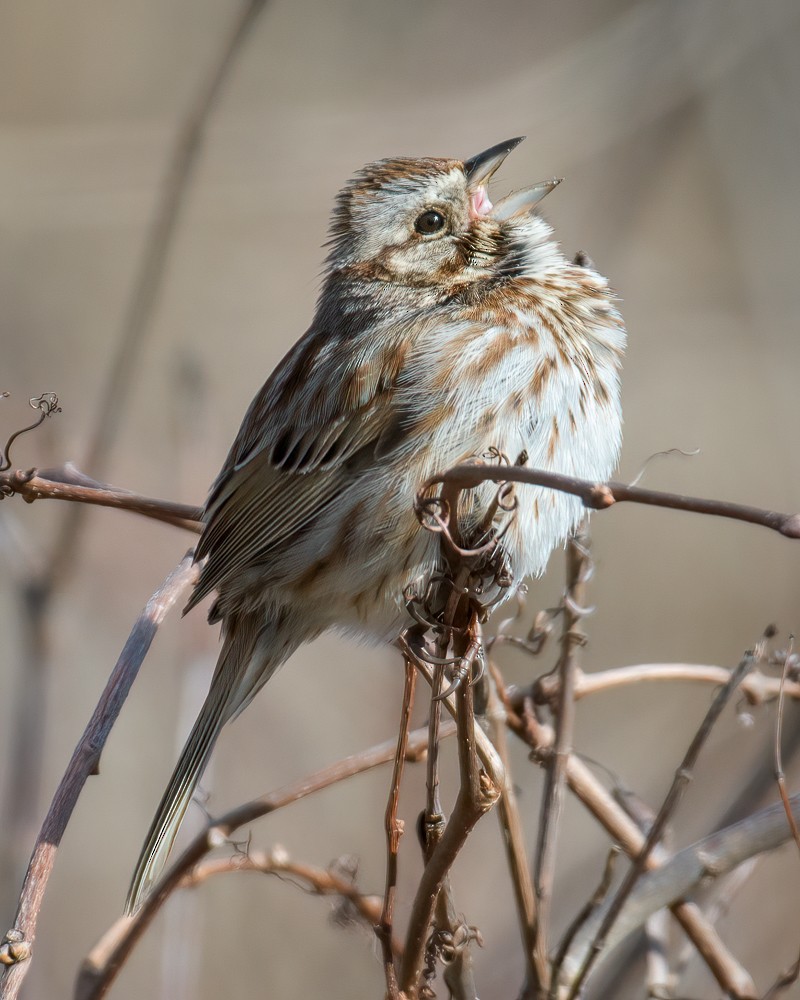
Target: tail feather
[[223, 698]]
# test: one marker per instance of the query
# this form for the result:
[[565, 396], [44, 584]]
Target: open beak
[[522, 201], [479, 169]]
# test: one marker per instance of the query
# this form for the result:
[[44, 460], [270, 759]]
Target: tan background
[[676, 127]]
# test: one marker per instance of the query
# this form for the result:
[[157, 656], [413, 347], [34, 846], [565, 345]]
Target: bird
[[446, 327]]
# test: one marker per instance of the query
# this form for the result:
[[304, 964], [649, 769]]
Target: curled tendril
[[47, 404], [661, 454], [474, 656]]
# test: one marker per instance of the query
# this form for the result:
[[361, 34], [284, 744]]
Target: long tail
[[243, 667]]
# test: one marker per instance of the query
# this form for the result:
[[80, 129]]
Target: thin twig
[[555, 777], [100, 969], [780, 775], [319, 881], [394, 830], [149, 279], [514, 838], [716, 905], [659, 975], [599, 496], [685, 872], [784, 981], [728, 972], [19, 806], [757, 687], [477, 794], [70, 484], [682, 777], [85, 761], [583, 915]]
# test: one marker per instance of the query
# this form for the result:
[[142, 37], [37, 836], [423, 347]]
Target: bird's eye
[[430, 222]]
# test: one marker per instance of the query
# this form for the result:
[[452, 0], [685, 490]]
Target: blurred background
[[676, 128]]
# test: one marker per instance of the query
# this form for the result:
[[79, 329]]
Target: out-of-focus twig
[[659, 976], [167, 214], [19, 805], [710, 858], [682, 777], [18, 942], [780, 776], [784, 981], [598, 800]]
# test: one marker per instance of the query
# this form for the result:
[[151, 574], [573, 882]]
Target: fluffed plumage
[[446, 326]]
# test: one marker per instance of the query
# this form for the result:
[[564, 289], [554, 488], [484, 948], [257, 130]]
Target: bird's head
[[429, 221]]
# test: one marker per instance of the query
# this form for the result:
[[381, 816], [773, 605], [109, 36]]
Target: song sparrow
[[446, 326]]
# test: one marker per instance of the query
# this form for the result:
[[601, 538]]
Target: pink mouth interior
[[479, 203]]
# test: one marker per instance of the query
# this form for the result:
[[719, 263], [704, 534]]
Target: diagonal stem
[[477, 794], [640, 863], [394, 830], [556, 776], [85, 762], [514, 840]]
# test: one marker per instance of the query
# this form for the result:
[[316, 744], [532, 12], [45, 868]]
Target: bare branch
[[320, 881], [477, 794], [682, 776], [394, 830], [757, 687], [68, 483], [599, 496], [600, 803], [709, 858], [85, 761], [514, 838], [578, 572], [104, 962], [780, 776]]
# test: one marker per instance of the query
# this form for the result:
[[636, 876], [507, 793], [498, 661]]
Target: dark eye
[[429, 222]]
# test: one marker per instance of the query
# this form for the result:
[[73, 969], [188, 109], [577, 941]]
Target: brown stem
[[555, 779], [757, 687], [55, 484], [394, 830], [476, 795], [514, 840], [780, 776], [320, 881], [599, 496], [97, 976], [600, 803], [682, 777], [85, 761]]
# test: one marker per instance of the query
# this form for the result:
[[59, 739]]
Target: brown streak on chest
[[542, 374], [552, 443]]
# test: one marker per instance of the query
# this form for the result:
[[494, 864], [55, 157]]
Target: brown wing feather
[[287, 463]]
